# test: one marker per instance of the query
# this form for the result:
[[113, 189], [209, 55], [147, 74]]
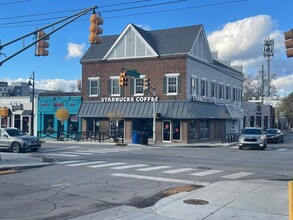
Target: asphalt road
[[87, 178]]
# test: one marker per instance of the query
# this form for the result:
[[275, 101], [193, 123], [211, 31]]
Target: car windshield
[[270, 131], [251, 131], [13, 132]]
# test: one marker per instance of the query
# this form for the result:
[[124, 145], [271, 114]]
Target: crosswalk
[[63, 152], [162, 170]]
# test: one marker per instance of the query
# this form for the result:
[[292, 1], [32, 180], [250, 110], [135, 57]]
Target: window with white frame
[[115, 88], [228, 92], [221, 91], [138, 86], [203, 87], [93, 86], [172, 84], [234, 98], [194, 86], [214, 90]]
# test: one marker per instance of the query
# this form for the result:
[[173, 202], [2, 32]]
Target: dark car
[[15, 140], [274, 135]]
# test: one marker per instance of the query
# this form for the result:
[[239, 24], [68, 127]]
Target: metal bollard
[[290, 198]]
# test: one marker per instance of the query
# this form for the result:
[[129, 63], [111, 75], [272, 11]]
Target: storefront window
[[204, 129], [73, 123], [25, 124], [143, 125], [120, 129], [192, 130], [49, 122], [4, 122], [176, 130]]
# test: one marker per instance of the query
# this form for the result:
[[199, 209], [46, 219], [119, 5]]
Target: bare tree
[[115, 117]]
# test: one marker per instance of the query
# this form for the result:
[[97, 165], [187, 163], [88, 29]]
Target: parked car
[[274, 135], [252, 137], [17, 141]]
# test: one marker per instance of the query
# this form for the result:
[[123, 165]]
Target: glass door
[[166, 131]]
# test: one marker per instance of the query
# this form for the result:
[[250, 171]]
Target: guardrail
[[81, 135], [229, 138]]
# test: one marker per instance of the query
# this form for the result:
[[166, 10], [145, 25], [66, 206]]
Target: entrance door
[[166, 131]]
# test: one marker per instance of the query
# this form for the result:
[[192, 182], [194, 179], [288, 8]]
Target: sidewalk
[[226, 200]]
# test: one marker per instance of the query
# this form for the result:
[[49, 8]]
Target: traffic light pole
[[154, 114], [75, 16]]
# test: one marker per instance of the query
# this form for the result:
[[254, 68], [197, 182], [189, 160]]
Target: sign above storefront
[[202, 99], [130, 99]]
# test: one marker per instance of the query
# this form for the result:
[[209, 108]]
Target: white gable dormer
[[201, 48], [130, 44]]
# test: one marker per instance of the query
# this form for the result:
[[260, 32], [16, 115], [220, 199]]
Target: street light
[[31, 82]]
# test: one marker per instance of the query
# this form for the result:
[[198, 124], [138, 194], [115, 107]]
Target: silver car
[[252, 137], [15, 140]]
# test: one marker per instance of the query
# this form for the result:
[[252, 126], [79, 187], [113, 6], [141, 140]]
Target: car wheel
[[240, 147], [34, 149], [16, 148]]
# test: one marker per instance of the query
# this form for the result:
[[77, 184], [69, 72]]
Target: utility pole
[[262, 84], [268, 52]]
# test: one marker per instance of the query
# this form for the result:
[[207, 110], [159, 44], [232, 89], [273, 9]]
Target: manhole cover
[[196, 202]]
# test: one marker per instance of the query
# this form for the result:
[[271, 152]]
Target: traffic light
[[289, 43], [146, 83], [122, 79], [42, 44], [95, 29]]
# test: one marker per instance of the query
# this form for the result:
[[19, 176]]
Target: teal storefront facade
[[49, 104]]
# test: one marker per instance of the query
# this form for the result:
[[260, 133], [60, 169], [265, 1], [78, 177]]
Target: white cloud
[[284, 84], [75, 50], [242, 43], [57, 85]]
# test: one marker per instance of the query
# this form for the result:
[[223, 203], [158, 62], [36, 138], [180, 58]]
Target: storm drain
[[196, 202]]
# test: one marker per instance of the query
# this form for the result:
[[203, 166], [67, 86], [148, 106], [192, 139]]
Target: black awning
[[27, 112], [168, 109]]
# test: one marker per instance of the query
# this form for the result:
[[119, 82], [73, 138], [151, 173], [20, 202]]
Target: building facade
[[192, 97]]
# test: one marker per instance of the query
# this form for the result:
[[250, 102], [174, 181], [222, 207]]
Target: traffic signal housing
[[95, 29], [146, 83], [122, 79], [289, 43], [42, 45]]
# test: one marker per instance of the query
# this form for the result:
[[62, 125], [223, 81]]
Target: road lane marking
[[153, 168], [59, 149], [106, 165], [68, 162], [281, 149], [76, 152], [64, 155], [205, 173], [129, 166], [161, 179], [84, 163], [237, 175], [178, 170]]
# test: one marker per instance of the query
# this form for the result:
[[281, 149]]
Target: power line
[[15, 2]]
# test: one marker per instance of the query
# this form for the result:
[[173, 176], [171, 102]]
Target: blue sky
[[235, 28]]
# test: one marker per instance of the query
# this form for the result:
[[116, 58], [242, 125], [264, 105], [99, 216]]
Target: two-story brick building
[[197, 97]]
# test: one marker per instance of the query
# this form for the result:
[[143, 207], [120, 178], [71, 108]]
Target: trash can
[[143, 138], [135, 137]]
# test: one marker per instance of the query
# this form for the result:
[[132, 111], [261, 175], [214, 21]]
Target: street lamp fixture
[[31, 82]]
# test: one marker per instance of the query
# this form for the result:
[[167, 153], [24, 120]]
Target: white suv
[[252, 137]]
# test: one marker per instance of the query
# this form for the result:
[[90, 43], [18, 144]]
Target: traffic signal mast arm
[[74, 17]]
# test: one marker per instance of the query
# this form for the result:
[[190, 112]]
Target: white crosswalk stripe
[[85, 163], [129, 166], [153, 168], [205, 173], [68, 162], [106, 165], [281, 149], [78, 153], [178, 170], [238, 175], [64, 155]]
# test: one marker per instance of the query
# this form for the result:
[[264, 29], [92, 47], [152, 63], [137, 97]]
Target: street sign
[[133, 73]]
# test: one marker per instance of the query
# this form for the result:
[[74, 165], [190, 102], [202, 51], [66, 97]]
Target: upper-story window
[[204, 87], [194, 86], [234, 98], [172, 84], [94, 83], [114, 86], [228, 92], [221, 91], [214, 90], [138, 85]]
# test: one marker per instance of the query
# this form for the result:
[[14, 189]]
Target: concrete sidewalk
[[226, 200]]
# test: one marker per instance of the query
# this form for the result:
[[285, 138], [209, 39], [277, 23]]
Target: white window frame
[[135, 83], [194, 85], [214, 89], [228, 92], [113, 86], [205, 81], [169, 76], [91, 79], [221, 91]]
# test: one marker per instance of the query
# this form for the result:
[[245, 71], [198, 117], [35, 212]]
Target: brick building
[[196, 97]]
